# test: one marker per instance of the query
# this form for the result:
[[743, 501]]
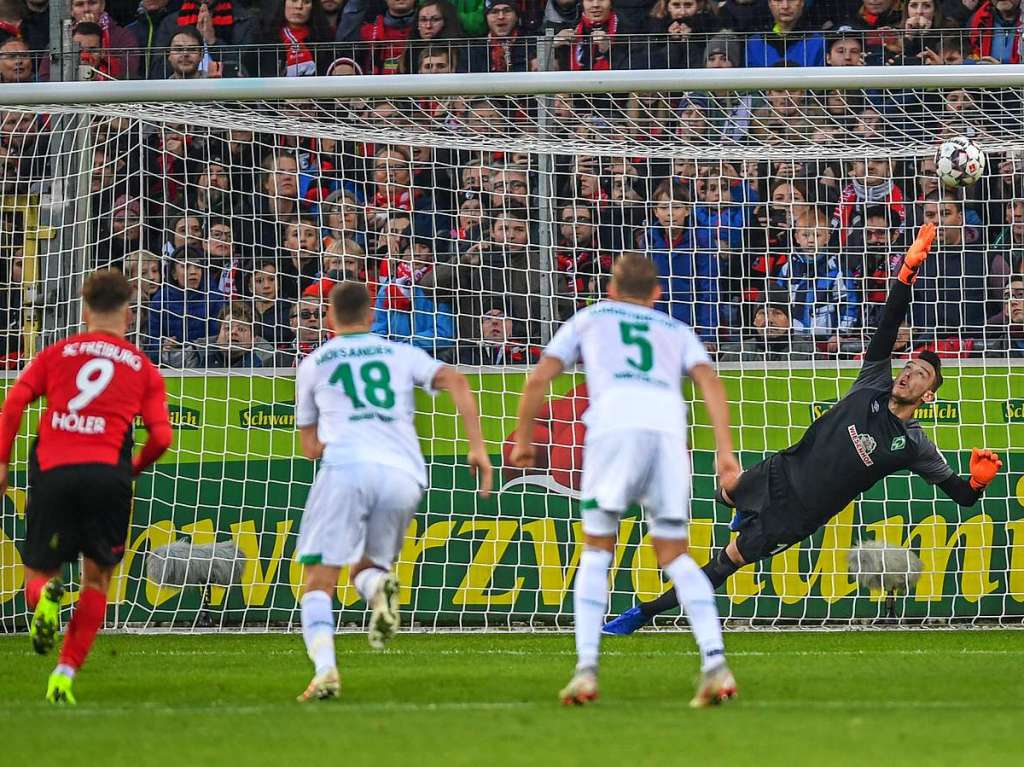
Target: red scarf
[[849, 202], [387, 59], [586, 56], [982, 25], [222, 14], [580, 265], [501, 51], [110, 65], [401, 200], [14, 30], [298, 59], [398, 295]]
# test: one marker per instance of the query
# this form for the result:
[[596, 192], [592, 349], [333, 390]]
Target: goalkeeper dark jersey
[[854, 445]]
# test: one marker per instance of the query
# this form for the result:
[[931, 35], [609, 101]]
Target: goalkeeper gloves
[[984, 466], [917, 253]]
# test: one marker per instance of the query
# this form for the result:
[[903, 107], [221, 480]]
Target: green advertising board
[[234, 473]]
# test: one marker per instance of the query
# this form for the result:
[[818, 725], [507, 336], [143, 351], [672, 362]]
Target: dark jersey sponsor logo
[[864, 444]]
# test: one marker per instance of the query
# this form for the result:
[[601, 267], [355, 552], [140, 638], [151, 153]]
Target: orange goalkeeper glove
[[917, 253], [984, 466]]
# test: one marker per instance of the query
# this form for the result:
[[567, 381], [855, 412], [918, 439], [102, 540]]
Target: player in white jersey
[[354, 411], [635, 452]]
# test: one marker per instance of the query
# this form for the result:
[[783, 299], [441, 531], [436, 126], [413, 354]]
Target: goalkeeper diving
[[866, 436]]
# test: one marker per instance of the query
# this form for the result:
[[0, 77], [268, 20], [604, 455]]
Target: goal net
[[775, 204]]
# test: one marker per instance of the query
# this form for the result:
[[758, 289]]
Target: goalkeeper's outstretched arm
[[898, 302], [984, 466]]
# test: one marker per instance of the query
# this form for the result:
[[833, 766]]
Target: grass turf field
[[889, 698]]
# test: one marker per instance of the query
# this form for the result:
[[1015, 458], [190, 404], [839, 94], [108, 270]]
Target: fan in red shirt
[[81, 466]]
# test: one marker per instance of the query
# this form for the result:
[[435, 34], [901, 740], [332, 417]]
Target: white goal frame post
[[232, 476]]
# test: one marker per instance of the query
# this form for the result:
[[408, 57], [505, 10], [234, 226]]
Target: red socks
[[85, 622], [34, 590]]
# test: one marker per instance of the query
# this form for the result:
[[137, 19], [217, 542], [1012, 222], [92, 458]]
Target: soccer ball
[[959, 162]]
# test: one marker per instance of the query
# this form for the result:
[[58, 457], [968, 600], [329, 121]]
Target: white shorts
[[650, 468], [357, 510]]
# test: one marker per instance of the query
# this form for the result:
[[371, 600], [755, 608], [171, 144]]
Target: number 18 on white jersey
[[634, 359], [358, 389]]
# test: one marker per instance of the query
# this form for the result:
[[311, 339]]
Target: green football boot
[[45, 624], [58, 690]]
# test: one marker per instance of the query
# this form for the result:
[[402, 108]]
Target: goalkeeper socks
[[367, 581], [719, 569], [698, 600], [665, 602], [34, 590], [591, 600], [318, 629], [85, 622]]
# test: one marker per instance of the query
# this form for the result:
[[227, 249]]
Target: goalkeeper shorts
[[650, 468], [357, 510]]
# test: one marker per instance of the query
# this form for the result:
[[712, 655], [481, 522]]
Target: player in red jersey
[[81, 466]]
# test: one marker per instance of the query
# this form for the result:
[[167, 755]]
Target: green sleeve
[[471, 15]]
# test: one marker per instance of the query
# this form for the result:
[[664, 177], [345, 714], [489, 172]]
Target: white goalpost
[[482, 211]]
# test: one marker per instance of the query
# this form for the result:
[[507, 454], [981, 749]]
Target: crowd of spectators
[[234, 237]]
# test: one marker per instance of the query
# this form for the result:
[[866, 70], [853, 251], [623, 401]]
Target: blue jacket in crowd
[[824, 299], [719, 226], [429, 325], [805, 49], [188, 315], [689, 281]]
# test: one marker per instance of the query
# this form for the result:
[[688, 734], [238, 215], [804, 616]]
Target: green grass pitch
[[856, 698]]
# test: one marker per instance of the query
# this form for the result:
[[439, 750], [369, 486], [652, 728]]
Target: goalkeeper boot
[[716, 686], [323, 687], [582, 688], [58, 689], [384, 617], [46, 619], [627, 623]]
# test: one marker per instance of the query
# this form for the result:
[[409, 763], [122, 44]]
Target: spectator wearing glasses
[[508, 188], [307, 321], [437, 20], [1004, 333], [505, 49], [225, 264], [578, 254]]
